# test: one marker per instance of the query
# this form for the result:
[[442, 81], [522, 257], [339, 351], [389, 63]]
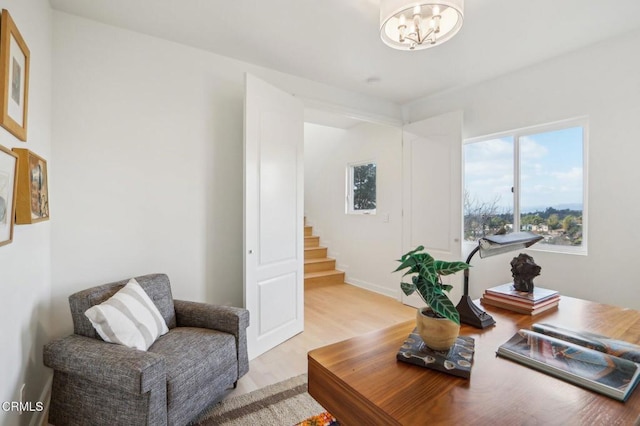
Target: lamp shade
[[397, 22], [498, 244]]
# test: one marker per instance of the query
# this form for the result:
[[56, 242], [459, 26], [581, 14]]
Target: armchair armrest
[[213, 317], [216, 317], [107, 364]]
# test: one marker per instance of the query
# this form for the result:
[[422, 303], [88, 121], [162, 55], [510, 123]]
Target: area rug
[[282, 404]]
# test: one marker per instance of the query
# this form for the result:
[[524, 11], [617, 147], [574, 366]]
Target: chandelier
[[415, 25]]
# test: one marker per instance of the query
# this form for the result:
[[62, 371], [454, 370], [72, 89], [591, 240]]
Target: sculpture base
[[471, 314]]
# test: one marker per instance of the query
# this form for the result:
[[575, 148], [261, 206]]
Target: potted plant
[[439, 323]]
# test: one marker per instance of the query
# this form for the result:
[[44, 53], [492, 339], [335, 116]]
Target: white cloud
[[530, 149], [574, 174]]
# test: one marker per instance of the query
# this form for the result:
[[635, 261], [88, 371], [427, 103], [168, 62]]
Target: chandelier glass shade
[[415, 25]]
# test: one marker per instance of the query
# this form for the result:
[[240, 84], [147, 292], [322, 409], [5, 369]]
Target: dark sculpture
[[524, 270]]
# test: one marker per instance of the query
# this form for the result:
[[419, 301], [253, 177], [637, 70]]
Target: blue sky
[[551, 170]]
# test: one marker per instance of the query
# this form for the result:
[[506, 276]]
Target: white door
[[273, 215], [432, 192]]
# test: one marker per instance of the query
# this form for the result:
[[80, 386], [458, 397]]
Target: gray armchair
[[193, 365]]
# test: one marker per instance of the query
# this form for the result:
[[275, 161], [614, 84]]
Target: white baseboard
[[372, 287], [39, 418]]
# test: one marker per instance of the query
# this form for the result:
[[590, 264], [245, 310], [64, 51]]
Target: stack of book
[[507, 297]]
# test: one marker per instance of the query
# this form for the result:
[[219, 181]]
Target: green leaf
[[441, 305], [447, 287], [407, 288], [406, 263], [428, 271], [414, 261], [448, 268], [417, 249]]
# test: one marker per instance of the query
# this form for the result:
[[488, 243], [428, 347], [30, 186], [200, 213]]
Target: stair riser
[[317, 253], [322, 281], [311, 241], [308, 231], [320, 266]]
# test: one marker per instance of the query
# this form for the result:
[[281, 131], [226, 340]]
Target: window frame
[[349, 198], [516, 135]]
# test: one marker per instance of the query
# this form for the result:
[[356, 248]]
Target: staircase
[[319, 270]]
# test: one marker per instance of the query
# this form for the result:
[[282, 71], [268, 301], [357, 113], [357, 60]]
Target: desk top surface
[[360, 380]]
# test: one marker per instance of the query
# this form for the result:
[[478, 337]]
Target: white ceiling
[[336, 42]]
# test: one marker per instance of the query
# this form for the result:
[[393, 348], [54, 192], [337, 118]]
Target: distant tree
[[364, 187], [497, 222], [481, 217], [573, 229], [554, 221], [531, 219], [568, 223]]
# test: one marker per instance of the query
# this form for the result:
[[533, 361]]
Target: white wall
[[365, 246], [601, 82], [148, 145], [25, 266]]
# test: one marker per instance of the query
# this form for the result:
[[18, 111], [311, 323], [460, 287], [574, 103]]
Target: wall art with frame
[[8, 187], [32, 199], [14, 78]]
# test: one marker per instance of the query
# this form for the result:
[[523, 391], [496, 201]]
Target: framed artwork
[[14, 78], [8, 181], [32, 198]]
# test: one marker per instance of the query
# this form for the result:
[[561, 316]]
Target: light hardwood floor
[[332, 313]]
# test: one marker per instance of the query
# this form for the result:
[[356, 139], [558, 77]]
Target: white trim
[[515, 135], [533, 129], [372, 287], [348, 112]]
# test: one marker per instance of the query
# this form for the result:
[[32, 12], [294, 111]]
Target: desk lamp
[[491, 245]]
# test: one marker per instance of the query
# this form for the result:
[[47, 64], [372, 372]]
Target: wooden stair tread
[[319, 260], [315, 252], [323, 273], [311, 241]]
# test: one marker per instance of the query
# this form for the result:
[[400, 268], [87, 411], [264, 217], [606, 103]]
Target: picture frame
[[8, 188], [32, 197], [14, 78]]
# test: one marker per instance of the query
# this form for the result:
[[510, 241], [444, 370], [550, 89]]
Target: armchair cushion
[[196, 360], [222, 318], [128, 318]]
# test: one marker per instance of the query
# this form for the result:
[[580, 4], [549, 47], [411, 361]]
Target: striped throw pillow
[[128, 318]]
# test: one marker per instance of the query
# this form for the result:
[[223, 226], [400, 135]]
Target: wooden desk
[[360, 382]]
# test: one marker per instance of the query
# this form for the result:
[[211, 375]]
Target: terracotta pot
[[438, 333]]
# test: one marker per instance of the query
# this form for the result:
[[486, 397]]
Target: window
[[530, 180], [361, 188]]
